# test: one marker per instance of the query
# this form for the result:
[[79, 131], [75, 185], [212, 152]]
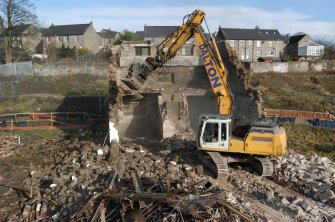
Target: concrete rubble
[[78, 172], [312, 176]]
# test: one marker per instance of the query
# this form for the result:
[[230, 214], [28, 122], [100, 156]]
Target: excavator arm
[[217, 74]]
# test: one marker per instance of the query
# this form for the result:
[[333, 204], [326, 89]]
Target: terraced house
[[251, 44], [77, 35], [156, 34]]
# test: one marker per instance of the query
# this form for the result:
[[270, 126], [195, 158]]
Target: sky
[[314, 17]]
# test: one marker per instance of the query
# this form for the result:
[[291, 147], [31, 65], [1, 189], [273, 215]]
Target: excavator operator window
[[211, 132]]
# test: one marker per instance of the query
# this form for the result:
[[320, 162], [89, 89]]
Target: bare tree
[[14, 13]]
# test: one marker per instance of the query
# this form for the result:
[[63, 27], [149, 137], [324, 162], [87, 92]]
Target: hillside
[[303, 91]]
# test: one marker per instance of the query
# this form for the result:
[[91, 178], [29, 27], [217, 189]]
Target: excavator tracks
[[218, 163], [215, 162], [263, 165]]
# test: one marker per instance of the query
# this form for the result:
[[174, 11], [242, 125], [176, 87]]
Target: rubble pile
[[271, 194], [157, 200], [312, 176], [164, 181], [76, 170]]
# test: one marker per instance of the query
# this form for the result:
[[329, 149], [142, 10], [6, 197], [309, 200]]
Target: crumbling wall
[[247, 101], [114, 105], [174, 113], [170, 89], [140, 117], [175, 96]]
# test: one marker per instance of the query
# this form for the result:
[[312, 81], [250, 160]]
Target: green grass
[[311, 140], [303, 91]]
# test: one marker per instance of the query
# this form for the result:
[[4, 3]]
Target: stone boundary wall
[[298, 66], [56, 69], [176, 61]]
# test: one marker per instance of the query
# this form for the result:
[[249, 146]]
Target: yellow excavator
[[217, 146]]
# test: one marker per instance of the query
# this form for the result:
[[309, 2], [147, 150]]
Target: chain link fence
[[16, 70]]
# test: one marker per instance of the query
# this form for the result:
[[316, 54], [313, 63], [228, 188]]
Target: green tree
[[14, 13], [66, 52], [127, 36]]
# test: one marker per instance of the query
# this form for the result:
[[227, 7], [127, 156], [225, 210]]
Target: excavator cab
[[214, 132]]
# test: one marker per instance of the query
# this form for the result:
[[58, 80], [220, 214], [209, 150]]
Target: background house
[[303, 46], [27, 38], [77, 35], [156, 34], [250, 44], [108, 37]]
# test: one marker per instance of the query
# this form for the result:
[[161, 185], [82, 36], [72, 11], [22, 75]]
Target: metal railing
[[53, 120]]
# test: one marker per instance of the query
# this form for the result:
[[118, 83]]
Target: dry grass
[[311, 140], [72, 93], [303, 91]]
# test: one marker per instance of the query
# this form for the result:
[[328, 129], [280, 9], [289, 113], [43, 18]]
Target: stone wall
[[176, 61], [55, 69], [246, 100], [293, 66], [173, 99]]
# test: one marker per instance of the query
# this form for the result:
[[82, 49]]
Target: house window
[[270, 53], [59, 38], [65, 38], [142, 50], [76, 38], [48, 39], [270, 44], [258, 43], [318, 51], [241, 42], [259, 53], [231, 43], [249, 42]]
